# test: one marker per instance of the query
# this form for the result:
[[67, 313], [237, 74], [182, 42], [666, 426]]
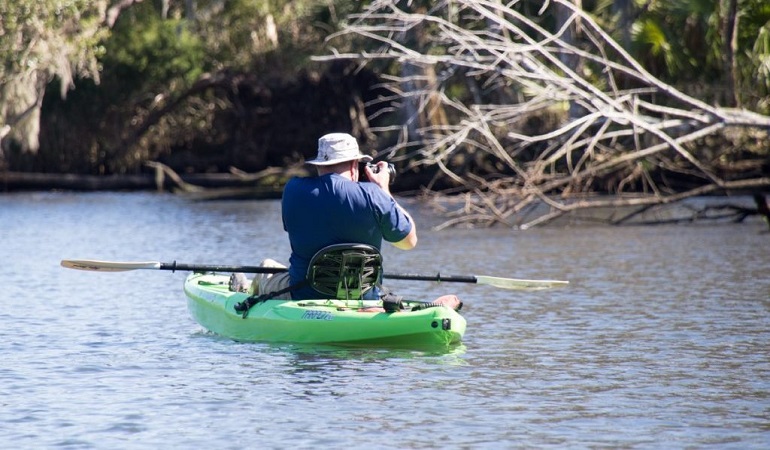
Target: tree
[[43, 40], [634, 133], [710, 48]]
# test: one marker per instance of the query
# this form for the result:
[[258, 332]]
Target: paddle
[[115, 266]]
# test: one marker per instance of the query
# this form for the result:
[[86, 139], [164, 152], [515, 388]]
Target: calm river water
[[662, 339]]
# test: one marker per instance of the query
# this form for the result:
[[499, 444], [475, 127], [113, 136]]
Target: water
[[662, 339]]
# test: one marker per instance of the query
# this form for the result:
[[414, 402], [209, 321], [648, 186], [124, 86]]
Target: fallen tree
[[266, 184], [614, 128]]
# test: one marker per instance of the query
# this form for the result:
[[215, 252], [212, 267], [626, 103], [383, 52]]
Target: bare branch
[[611, 125]]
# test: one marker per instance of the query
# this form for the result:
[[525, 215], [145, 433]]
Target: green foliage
[[754, 57], [53, 37], [761, 49], [677, 39], [147, 51], [274, 35], [682, 42], [649, 36], [41, 41], [146, 54]]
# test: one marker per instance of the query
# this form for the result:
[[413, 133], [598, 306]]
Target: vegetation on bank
[[199, 84], [612, 126], [105, 86]]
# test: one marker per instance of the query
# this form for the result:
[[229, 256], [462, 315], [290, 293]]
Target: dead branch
[[617, 128]]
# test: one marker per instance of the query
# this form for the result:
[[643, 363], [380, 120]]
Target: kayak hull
[[337, 322]]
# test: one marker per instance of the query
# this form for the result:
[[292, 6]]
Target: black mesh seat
[[345, 271]]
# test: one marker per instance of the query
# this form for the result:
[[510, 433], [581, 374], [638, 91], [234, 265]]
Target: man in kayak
[[333, 208]]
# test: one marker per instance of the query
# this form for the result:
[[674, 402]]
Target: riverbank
[[625, 209], [266, 184]]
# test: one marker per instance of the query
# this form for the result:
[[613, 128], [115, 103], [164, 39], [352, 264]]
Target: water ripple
[[659, 342]]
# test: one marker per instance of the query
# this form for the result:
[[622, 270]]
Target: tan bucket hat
[[335, 148]]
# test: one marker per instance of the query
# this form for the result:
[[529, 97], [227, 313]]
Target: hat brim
[[323, 162]]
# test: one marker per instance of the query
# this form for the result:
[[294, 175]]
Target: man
[[334, 208]]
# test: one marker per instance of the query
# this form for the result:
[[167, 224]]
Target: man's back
[[330, 209]]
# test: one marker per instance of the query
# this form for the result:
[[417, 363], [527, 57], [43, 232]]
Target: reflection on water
[[659, 341], [307, 352]]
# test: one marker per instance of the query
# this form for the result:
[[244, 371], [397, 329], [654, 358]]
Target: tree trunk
[[422, 111], [189, 10], [564, 15], [623, 8], [762, 207], [729, 43]]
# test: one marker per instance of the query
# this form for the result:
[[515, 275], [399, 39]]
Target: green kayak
[[338, 322]]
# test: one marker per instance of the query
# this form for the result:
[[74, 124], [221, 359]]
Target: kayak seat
[[345, 271]]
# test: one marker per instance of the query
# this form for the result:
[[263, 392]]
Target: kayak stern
[[338, 322]]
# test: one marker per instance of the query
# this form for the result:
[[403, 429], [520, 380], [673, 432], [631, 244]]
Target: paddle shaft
[[118, 266], [174, 266]]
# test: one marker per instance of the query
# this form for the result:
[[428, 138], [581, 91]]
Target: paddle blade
[[516, 284], [107, 266]]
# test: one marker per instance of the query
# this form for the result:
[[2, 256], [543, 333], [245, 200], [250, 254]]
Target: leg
[[264, 283], [238, 282]]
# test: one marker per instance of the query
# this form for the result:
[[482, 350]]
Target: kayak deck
[[339, 322]]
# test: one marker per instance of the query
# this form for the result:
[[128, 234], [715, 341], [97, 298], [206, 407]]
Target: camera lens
[[391, 170]]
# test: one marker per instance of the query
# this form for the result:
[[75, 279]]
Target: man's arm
[[410, 241], [382, 179]]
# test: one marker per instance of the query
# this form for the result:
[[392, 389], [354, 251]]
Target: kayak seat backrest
[[345, 271]]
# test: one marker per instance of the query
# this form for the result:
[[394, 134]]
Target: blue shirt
[[330, 209]]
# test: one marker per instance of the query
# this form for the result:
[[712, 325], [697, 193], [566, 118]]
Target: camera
[[391, 170]]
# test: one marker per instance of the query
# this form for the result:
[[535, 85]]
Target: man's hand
[[381, 178]]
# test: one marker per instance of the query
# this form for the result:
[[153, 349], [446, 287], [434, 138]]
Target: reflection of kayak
[[212, 305]]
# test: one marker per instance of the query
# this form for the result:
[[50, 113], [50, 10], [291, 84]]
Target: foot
[[238, 283]]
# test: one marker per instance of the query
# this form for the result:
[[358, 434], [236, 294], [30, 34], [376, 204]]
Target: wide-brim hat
[[335, 148]]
